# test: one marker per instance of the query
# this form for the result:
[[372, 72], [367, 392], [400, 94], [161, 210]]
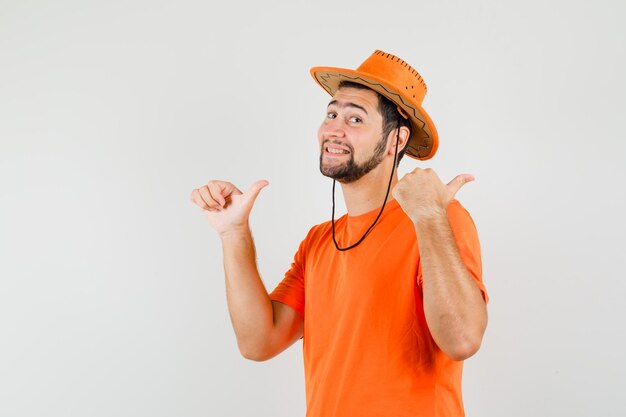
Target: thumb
[[457, 182], [255, 189]]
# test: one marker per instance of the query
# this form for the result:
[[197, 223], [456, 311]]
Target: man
[[386, 323]]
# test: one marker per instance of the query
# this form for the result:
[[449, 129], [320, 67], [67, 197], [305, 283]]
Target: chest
[[370, 278]]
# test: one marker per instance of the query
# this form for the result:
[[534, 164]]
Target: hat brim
[[424, 139]]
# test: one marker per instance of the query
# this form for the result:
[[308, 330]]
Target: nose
[[332, 128]]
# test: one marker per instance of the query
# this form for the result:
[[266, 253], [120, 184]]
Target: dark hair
[[389, 112]]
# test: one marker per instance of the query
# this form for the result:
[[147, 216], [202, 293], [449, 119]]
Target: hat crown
[[397, 73]]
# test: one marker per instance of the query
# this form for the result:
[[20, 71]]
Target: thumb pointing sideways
[[457, 182], [255, 189]]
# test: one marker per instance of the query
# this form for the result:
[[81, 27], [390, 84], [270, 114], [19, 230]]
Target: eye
[[355, 119], [331, 115]]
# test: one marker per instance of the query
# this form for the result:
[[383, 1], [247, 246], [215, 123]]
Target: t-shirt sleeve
[[466, 237], [290, 290]]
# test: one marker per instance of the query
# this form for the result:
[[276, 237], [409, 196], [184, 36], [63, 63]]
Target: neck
[[368, 193]]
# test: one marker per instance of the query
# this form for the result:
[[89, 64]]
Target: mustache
[[337, 142]]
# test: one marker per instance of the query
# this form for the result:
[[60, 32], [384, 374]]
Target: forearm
[[249, 304], [453, 304]]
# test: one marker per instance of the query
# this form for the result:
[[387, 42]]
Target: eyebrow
[[348, 104]]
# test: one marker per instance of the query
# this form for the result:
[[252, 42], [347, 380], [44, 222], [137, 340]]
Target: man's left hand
[[421, 193]]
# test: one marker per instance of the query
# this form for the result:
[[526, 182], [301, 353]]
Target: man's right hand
[[224, 206]]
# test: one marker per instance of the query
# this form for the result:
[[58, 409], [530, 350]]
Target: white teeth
[[335, 150]]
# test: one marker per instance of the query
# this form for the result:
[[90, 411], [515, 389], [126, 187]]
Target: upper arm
[[288, 328], [468, 244], [288, 300]]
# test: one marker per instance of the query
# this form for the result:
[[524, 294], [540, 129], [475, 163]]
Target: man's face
[[351, 135]]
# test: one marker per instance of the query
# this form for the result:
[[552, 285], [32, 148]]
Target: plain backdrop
[[112, 298]]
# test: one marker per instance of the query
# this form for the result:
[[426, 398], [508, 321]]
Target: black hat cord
[[395, 157]]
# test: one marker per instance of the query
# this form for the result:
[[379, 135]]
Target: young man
[[389, 298]]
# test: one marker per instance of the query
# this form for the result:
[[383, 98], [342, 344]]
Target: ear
[[404, 140]]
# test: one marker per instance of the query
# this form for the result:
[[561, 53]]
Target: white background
[[112, 297]]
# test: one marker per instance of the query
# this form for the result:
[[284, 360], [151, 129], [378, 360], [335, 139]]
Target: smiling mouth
[[336, 151]]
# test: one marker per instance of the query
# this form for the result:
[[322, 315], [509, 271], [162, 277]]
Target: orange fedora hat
[[399, 82]]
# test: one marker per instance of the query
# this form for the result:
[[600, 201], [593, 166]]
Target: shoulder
[[318, 232], [462, 225], [458, 214]]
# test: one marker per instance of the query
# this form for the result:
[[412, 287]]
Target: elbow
[[463, 347], [254, 352], [255, 356], [462, 351]]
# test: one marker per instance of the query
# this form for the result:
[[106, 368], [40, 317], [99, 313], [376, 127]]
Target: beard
[[350, 171]]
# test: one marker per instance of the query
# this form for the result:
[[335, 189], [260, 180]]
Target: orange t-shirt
[[367, 349]]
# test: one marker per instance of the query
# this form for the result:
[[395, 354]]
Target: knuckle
[[215, 184]]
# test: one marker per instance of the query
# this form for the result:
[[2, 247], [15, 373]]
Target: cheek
[[320, 136]]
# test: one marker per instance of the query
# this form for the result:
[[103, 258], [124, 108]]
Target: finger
[[256, 188], [217, 193], [198, 200], [208, 199], [407, 175], [211, 210], [457, 182]]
